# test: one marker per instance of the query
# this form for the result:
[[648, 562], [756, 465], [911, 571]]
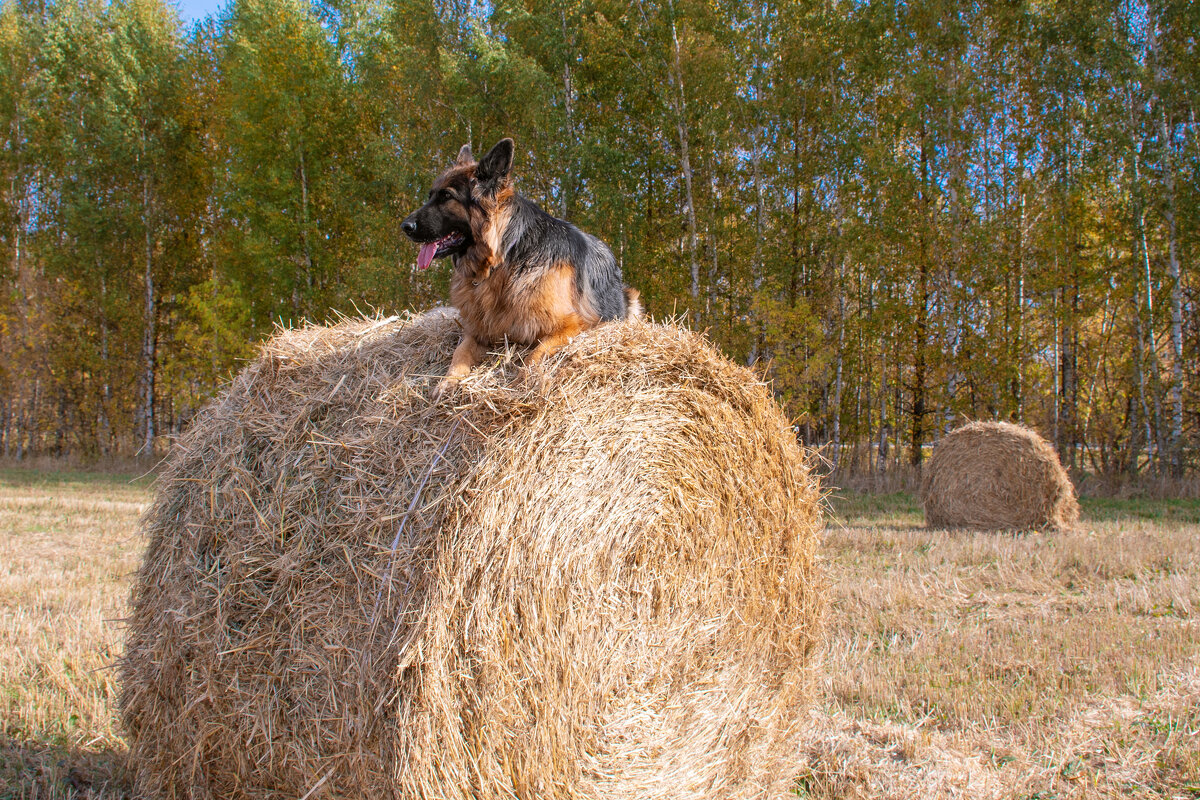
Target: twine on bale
[[997, 476], [600, 575]]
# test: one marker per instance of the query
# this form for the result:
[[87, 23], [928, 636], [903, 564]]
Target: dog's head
[[443, 226]]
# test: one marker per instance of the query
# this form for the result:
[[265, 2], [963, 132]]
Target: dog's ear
[[496, 164], [464, 155]]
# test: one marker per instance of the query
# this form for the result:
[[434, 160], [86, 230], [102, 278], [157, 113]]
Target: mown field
[[67, 553], [987, 665]]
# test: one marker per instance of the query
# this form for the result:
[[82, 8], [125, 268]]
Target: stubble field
[[980, 665]]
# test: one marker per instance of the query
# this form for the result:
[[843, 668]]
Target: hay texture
[[591, 579], [995, 475]]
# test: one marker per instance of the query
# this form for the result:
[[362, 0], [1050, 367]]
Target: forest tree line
[[905, 215]]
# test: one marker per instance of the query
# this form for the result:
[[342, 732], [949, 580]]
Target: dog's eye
[[445, 195]]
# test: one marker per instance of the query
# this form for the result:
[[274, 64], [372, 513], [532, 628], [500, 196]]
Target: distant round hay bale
[[995, 475], [592, 580]]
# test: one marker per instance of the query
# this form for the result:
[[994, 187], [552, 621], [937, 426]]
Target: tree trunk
[[150, 332], [1019, 334], [710, 304], [838, 382], [1150, 361], [882, 451], [1067, 379], [569, 109], [1174, 439], [685, 161], [308, 259], [1140, 435], [897, 412], [756, 267], [922, 320], [1055, 405], [948, 414], [1175, 395], [103, 423], [794, 278]]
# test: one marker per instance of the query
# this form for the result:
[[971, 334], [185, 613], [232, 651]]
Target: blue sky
[[192, 10]]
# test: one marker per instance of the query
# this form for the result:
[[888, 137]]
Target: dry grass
[[973, 665], [67, 552], [981, 665]]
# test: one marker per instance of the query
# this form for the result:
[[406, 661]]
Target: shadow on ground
[[51, 772]]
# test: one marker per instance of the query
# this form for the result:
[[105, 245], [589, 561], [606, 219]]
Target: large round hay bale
[[595, 579], [996, 475]]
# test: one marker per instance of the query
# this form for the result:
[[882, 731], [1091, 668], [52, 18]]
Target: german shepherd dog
[[520, 274]]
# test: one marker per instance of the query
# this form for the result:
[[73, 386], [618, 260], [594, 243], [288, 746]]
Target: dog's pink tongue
[[425, 257]]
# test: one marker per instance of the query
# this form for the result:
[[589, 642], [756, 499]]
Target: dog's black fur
[[534, 238]]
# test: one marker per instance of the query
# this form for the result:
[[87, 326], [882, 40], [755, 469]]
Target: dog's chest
[[500, 307]]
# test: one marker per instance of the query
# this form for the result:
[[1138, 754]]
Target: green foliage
[[209, 343]]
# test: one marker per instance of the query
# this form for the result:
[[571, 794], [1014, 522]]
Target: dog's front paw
[[443, 387]]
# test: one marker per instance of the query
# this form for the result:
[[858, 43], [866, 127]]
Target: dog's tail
[[633, 304]]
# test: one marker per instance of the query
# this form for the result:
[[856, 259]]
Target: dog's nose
[[408, 226]]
